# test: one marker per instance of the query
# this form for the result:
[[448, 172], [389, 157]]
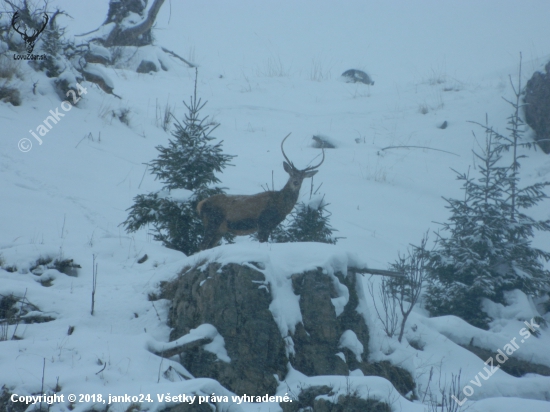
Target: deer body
[[247, 214]]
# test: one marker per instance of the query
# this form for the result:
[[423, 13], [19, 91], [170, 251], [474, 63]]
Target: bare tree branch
[[177, 56], [417, 147], [119, 37], [381, 272]]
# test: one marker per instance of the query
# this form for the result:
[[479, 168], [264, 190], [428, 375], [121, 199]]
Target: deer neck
[[288, 198]]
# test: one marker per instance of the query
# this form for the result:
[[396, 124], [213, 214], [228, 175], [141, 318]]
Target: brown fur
[[246, 214]]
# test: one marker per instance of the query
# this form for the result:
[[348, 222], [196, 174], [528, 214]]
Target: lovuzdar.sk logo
[[29, 39]]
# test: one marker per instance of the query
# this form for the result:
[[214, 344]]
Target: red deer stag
[[246, 214]]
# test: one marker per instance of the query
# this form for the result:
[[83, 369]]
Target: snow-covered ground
[[266, 69]]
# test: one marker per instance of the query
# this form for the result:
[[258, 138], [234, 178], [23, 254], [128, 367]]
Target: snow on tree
[[488, 249], [308, 222], [54, 45]]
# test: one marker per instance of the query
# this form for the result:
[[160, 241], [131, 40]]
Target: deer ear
[[287, 167], [310, 173]]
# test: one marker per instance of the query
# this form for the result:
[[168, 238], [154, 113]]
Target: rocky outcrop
[[318, 337], [312, 399], [261, 324], [147, 66], [537, 107], [513, 366], [357, 76], [228, 297]]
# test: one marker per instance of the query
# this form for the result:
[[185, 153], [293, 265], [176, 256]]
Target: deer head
[[297, 176]]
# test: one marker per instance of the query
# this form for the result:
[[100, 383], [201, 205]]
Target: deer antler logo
[[29, 40]]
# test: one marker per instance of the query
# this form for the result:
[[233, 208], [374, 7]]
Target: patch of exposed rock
[[537, 107], [244, 304], [323, 399], [229, 298]]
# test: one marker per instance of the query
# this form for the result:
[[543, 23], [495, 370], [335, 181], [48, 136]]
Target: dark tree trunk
[[137, 35]]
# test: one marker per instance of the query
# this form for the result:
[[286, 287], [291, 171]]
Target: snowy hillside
[[266, 69]]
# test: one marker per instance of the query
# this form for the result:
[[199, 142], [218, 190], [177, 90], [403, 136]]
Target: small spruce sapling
[[524, 269], [53, 44], [311, 223], [187, 167], [308, 222]]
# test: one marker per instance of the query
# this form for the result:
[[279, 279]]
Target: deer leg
[[267, 221], [210, 242], [210, 238], [263, 235], [212, 233]]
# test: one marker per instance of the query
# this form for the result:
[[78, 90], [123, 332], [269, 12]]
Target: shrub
[[308, 222]]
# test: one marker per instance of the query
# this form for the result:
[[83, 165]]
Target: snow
[[97, 71], [316, 202], [367, 387], [178, 195], [512, 404], [266, 69], [204, 331], [349, 340], [99, 32], [100, 51], [519, 306]]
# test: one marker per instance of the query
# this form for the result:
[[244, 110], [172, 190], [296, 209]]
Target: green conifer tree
[[187, 167], [53, 44], [488, 250]]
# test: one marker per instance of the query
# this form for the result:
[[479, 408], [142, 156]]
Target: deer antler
[[292, 164], [283, 150], [322, 160]]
